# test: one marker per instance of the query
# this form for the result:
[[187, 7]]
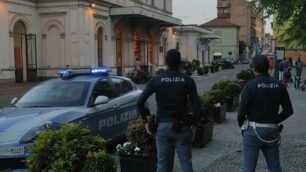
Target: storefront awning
[[142, 12], [210, 36]]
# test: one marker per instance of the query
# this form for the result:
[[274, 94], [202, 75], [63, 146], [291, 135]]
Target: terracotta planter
[[220, 114], [203, 134], [231, 104], [134, 163]]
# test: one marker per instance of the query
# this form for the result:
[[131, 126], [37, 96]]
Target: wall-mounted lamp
[[92, 4]]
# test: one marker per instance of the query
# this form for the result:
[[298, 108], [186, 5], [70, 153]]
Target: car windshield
[[55, 94]]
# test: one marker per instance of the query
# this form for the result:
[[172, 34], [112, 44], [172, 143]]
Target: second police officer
[[259, 116]]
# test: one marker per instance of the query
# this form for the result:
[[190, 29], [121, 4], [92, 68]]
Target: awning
[[206, 36], [142, 12]]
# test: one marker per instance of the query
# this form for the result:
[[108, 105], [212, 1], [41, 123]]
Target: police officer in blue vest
[[259, 116], [172, 89]]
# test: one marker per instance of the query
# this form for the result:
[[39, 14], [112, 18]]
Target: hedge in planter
[[231, 90], [69, 149], [139, 153], [214, 104]]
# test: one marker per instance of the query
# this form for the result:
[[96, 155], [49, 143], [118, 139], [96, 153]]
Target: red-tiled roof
[[219, 22]]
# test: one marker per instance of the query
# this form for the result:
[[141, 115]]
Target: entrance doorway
[[118, 51], [24, 54], [100, 46]]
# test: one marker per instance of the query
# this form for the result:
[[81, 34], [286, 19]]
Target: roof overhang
[[145, 13]]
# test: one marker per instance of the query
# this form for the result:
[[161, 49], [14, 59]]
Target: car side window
[[121, 86], [102, 88]]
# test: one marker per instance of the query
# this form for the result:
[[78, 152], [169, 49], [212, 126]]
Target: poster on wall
[[280, 53]]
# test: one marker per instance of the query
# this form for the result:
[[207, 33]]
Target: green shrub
[[228, 87], [160, 71], [232, 89], [69, 149], [245, 75], [138, 137]]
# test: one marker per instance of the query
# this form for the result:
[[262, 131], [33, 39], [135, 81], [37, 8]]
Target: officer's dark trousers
[[166, 140], [252, 145]]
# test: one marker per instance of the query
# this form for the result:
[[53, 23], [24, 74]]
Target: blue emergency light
[[69, 73]]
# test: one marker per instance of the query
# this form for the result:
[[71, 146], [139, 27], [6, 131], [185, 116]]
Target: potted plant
[[200, 71], [202, 124], [244, 76], [70, 148], [138, 154], [231, 91], [215, 104]]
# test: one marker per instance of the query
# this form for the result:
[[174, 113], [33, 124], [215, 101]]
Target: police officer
[[172, 88], [259, 116]]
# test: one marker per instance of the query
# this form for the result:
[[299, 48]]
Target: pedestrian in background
[[299, 67], [172, 89], [137, 64], [282, 65], [259, 116]]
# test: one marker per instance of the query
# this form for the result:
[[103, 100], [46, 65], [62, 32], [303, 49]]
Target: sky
[[199, 11]]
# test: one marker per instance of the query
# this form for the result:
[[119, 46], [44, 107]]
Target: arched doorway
[[100, 46], [19, 32], [118, 35]]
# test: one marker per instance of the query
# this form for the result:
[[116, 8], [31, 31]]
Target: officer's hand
[[148, 129]]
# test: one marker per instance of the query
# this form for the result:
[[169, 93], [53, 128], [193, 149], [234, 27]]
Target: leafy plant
[[139, 142], [160, 71], [69, 149], [232, 89], [228, 88]]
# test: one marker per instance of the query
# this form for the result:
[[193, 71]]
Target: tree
[[291, 12]]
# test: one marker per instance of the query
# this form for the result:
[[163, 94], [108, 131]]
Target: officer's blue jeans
[[166, 140], [252, 145]]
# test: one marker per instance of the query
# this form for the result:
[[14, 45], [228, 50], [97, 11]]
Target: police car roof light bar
[[69, 73]]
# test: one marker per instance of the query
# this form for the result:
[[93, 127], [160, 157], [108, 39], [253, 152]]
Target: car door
[[110, 120], [125, 104], [99, 118]]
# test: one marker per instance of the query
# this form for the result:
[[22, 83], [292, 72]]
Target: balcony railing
[[224, 15]]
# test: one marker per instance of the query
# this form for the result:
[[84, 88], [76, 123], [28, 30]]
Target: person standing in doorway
[[137, 64], [259, 116], [172, 89]]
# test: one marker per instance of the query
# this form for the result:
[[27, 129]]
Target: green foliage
[[292, 11], [138, 137], [160, 71], [228, 88], [68, 149], [213, 97], [245, 75], [232, 89]]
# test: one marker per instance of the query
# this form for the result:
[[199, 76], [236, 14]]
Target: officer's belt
[[254, 124]]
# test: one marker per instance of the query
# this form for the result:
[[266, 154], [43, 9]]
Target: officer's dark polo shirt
[[171, 88], [260, 100]]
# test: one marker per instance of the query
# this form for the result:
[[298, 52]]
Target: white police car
[[102, 103]]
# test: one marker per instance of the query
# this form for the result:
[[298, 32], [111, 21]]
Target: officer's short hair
[[260, 63], [173, 58]]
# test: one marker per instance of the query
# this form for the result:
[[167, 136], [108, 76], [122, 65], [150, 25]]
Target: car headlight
[[33, 132]]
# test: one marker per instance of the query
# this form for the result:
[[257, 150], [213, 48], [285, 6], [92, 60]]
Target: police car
[[91, 97]]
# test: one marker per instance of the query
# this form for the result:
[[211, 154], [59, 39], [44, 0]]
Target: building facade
[[192, 42], [38, 37], [242, 14], [227, 46]]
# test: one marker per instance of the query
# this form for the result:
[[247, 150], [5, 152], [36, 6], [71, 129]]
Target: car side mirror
[[100, 100], [13, 101]]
